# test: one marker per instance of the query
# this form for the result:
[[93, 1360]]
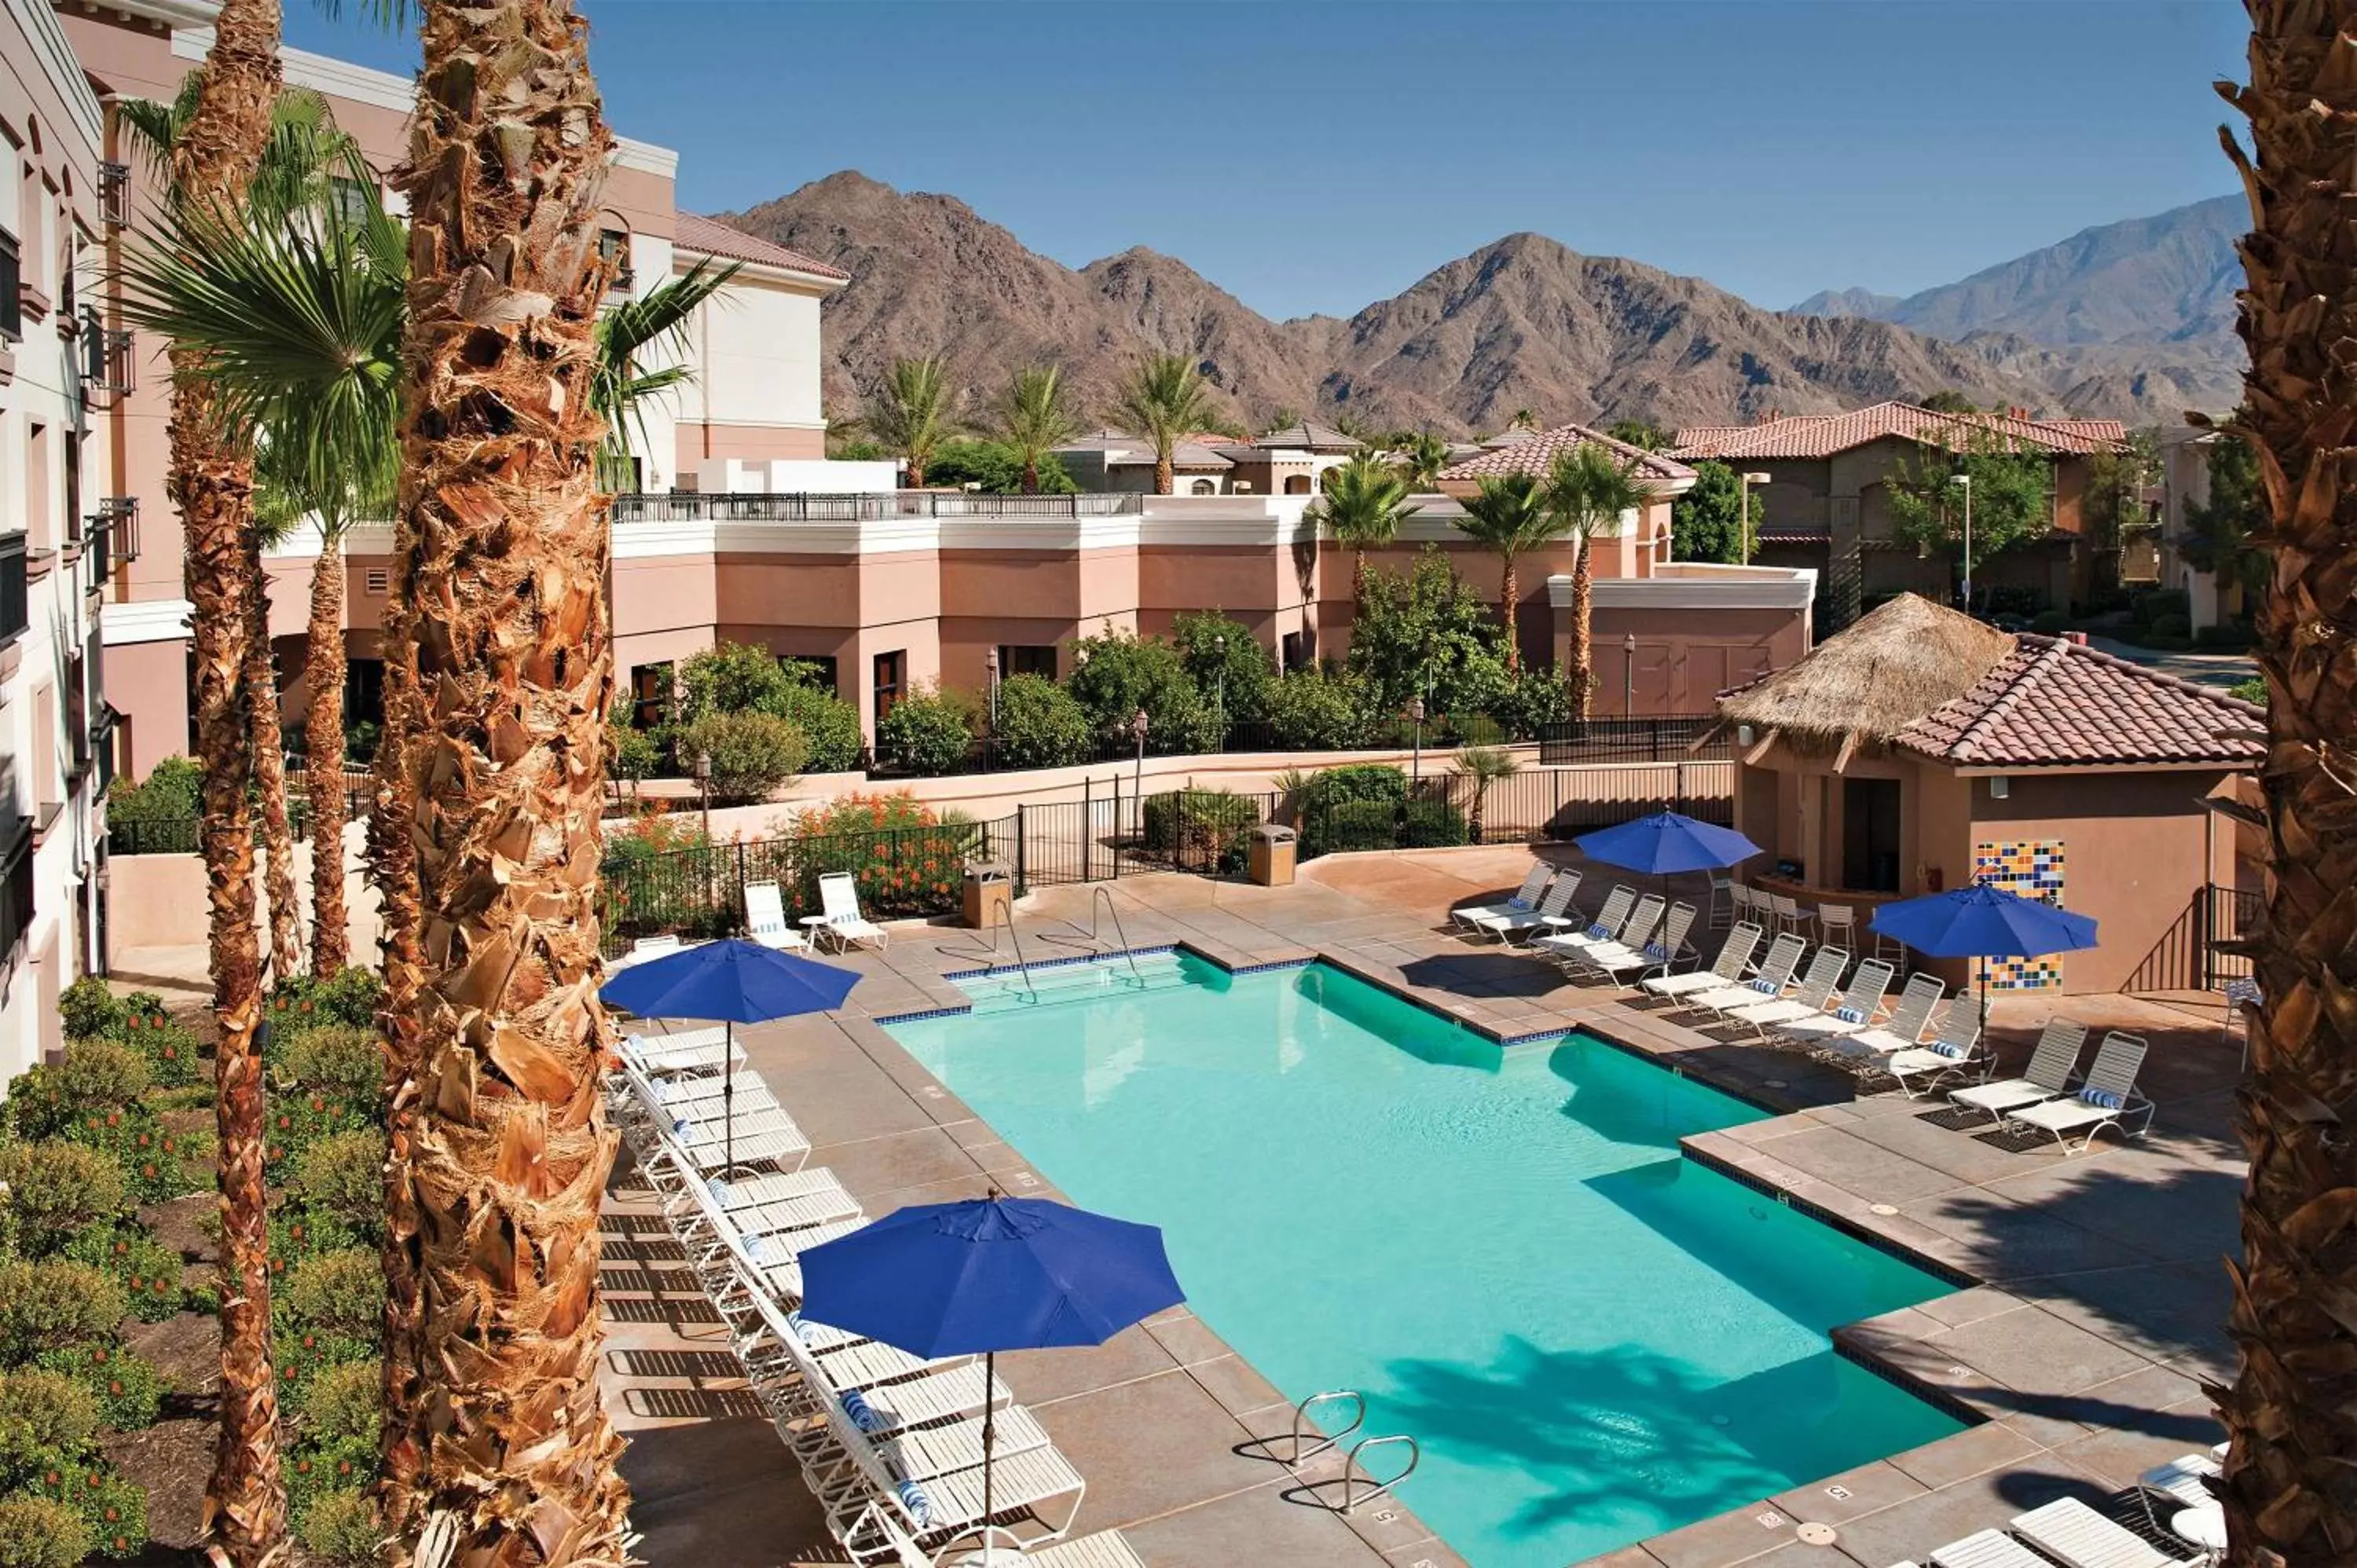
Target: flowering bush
[[905, 858]]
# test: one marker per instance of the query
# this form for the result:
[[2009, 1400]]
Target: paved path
[[2203, 669]]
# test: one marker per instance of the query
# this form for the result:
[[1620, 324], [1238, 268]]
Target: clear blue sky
[[1317, 156]]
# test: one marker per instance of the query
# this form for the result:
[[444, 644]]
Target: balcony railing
[[115, 193], [690, 507], [15, 605], [111, 367], [117, 527]]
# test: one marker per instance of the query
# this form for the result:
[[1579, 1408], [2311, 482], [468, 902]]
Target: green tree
[[1509, 516], [2218, 531], [1481, 766], [2111, 503], [1588, 493], [1364, 503], [1034, 416], [2012, 495], [927, 733], [1164, 398], [1641, 432], [1706, 523], [996, 469], [911, 412], [1427, 632], [1039, 724], [1422, 456], [1947, 400], [1114, 674], [1227, 663]]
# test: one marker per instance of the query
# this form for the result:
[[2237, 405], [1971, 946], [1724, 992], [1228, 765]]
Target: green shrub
[[301, 1356], [166, 803], [1201, 829], [1349, 825], [302, 1003], [1116, 674], [2225, 635], [157, 1164], [1227, 663], [752, 753], [342, 1175], [341, 1403], [55, 1188], [111, 1508], [339, 1293], [2150, 606], [172, 1052], [1536, 698], [101, 1072], [36, 1533], [927, 733], [2254, 689], [148, 1272], [630, 752], [1039, 724], [2050, 623], [127, 1388], [298, 1120], [1432, 824], [2172, 625], [53, 1303], [88, 1009], [339, 1527], [994, 466], [905, 858], [343, 1060], [315, 1469], [830, 726], [42, 1410], [1377, 781], [1312, 710]]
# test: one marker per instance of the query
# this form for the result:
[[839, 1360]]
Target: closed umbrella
[[1981, 923], [729, 982], [985, 1275]]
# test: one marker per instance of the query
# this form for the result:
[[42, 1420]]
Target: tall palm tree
[[1510, 515], [501, 1162], [1422, 456], [911, 412], [660, 318], [1365, 502], [1035, 417], [2288, 1492], [1587, 492], [1164, 399]]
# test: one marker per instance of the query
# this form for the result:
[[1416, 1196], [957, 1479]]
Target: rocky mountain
[[2169, 278], [1524, 322]]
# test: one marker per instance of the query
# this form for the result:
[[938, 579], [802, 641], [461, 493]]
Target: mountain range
[[2126, 321]]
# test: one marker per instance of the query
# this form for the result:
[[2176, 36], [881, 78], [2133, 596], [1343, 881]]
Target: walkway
[[2220, 670]]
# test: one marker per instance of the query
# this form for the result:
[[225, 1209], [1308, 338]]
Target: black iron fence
[[2196, 953], [182, 835], [1663, 739]]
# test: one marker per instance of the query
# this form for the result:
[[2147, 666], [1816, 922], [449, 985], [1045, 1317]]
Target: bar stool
[[1723, 890], [1890, 948], [1744, 901], [1790, 917], [1838, 923]]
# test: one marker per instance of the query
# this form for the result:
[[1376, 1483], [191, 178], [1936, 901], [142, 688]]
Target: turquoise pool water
[[1594, 1339]]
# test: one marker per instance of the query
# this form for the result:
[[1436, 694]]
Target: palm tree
[[1422, 456], [622, 391], [503, 552], [2287, 1490], [1164, 399], [1587, 493], [1510, 515], [1481, 766], [1035, 418], [1364, 503], [910, 413]]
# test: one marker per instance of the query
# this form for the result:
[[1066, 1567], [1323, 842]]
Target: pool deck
[[2094, 1315]]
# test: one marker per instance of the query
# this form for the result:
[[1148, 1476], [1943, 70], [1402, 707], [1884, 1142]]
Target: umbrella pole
[[989, 1441], [1984, 1039], [728, 1092]]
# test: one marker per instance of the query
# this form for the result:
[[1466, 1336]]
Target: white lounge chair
[[1522, 900], [838, 898], [2107, 1099], [1734, 958], [684, 1050], [1811, 995], [1620, 965], [1903, 1030], [1775, 973], [2183, 1483], [1549, 909], [2046, 1077], [1987, 1549], [2076, 1536], [644, 949], [1955, 1052], [1853, 1009], [1575, 949], [1610, 920], [765, 919]]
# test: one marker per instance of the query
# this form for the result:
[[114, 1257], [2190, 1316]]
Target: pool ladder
[[1022, 966], [1358, 1483]]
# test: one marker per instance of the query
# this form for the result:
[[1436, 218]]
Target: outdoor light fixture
[[1137, 727], [1628, 676], [1743, 734], [704, 790], [1966, 481], [1416, 716], [2000, 786], [990, 666], [1743, 528]]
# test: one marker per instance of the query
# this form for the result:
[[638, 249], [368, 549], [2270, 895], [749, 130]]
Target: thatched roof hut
[[1865, 685]]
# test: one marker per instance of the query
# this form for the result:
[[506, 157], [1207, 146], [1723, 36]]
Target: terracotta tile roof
[[1538, 453], [1313, 437], [1127, 451], [704, 236], [2054, 704], [1809, 436]]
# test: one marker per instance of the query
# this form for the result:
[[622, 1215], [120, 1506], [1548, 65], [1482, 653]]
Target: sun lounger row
[[2066, 1531], [890, 1444]]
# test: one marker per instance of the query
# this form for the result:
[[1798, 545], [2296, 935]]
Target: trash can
[[989, 894], [1270, 859]]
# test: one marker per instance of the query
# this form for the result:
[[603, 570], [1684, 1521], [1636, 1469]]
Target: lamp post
[[1219, 686], [1628, 676], [1743, 528], [990, 668], [1416, 716], [1966, 481], [704, 790], [1137, 730]]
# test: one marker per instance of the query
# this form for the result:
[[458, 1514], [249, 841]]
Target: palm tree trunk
[[1509, 595], [270, 776], [2290, 1488], [210, 483], [1166, 472], [505, 1447], [1031, 475], [1581, 674], [323, 727]]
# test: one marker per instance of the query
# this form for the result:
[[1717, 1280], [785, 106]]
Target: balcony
[[686, 506], [110, 537], [115, 194], [16, 604], [110, 367]]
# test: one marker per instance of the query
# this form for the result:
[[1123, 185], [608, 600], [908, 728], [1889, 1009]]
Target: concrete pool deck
[[2079, 1350]]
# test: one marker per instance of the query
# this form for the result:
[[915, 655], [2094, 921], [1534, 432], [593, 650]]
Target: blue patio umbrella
[[729, 982], [1981, 923], [1667, 841], [985, 1275]]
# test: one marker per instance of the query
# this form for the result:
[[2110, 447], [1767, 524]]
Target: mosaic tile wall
[[2034, 869]]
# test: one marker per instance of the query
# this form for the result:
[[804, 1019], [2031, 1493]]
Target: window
[[15, 607], [614, 247], [1027, 659], [1297, 650], [16, 881], [363, 691], [71, 455], [1202, 488], [892, 670], [350, 201], [650, 694], [820, 666], [12, 307], [1296, 484]]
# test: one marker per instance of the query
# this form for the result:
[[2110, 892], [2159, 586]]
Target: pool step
[[1009, 990]]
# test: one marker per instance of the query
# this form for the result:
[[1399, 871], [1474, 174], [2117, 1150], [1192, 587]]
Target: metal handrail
[[1022, 965], [1353, 1470], [1105, 894], [1301, 1450]]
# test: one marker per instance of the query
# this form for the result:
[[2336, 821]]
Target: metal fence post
[[1022, 845], [1088, 825], [2205, 922], [740, 880]]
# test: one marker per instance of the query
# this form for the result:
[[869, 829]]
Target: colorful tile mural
[[2034, 869]]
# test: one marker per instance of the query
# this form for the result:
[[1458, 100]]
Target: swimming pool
[[1594, 1339]]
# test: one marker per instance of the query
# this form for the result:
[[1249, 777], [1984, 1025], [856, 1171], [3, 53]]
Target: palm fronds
[[619, 390], [1035, 417]]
